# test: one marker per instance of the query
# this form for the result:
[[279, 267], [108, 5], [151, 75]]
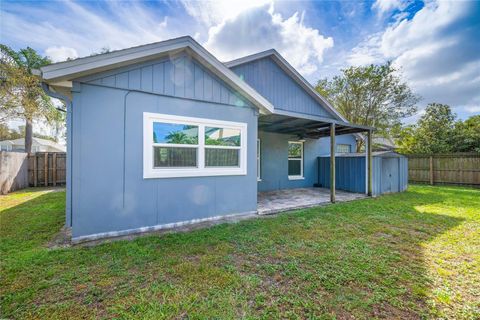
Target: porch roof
[[306, 126]]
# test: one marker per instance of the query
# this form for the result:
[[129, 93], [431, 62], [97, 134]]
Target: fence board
[[47, 169], [456, 168]]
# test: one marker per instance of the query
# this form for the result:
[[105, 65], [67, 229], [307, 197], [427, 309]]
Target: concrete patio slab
[[270, 202]]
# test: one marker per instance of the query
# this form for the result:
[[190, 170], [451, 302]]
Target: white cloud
[[75, 27], [260, 28], [384, 6], [473, 109], [213, 13], [62, 53], [437, 51]]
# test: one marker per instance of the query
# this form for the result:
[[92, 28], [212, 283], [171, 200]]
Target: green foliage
[[373, 95], [437, 132], [11, 134], [21, 94]]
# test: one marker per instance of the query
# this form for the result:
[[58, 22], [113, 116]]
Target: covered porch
[[278, 193], [270, 202]]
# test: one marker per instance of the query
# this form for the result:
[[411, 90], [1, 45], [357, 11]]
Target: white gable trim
[[64, 72]]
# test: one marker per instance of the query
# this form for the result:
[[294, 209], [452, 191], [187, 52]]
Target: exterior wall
[[178, 76], [274, 160], [108, 189], [265, 76]]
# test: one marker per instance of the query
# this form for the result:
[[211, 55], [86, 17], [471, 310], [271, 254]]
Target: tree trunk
[[28, 135], [360, 144]]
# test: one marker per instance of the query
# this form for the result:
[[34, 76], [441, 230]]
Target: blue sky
[[435, 43]]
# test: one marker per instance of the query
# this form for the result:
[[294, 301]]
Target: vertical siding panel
[[109, 81], [121, 80], [179, 77], [198, 76], [158, 77], [134, 79], [207, 86], [147, 79], [169, 78], [217, 88], [189, 78], [225, 95]]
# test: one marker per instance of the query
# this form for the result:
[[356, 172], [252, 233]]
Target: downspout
[[68, 104]]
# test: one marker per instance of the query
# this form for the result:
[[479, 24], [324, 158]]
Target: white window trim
[[297, 177], [259, 162], [200, 171]]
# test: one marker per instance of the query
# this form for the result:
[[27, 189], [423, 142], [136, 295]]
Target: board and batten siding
[[266, 77], [179, 76]]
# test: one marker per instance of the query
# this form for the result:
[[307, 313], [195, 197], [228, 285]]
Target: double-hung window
[[176, 146], [295, 160]]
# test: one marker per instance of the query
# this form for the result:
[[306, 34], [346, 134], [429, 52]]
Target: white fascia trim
[[282, 63], [167, 226], [201, 171], [69, 70]]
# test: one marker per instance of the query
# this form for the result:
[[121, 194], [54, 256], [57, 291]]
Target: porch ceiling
[[306, 127]]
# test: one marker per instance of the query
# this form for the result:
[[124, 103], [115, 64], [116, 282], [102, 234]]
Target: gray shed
[[389, 172]]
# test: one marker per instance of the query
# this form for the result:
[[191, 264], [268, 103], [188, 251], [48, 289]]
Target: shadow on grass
[[360, 259]]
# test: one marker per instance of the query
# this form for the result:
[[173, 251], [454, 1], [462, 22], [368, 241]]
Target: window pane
[[294, 167], [343, 148], [222, 157], [175, 133], [294, 150], [222, 137], [171, 157]]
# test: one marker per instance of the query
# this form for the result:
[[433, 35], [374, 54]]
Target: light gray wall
[[265, 76], [109, 192], [274, 159]]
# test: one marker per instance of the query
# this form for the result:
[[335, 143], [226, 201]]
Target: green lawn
[[408, 255]]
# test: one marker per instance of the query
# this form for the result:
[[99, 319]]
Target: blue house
[[164, 134]]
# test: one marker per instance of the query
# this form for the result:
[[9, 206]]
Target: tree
[[21, 94], [466, 137], [373, 95], [437, 132]]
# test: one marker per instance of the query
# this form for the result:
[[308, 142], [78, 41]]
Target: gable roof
[[59, 75], [297, 77]]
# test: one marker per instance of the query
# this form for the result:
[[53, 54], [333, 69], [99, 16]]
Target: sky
[[435, 44]]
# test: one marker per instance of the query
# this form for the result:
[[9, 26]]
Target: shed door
[[389, 175]]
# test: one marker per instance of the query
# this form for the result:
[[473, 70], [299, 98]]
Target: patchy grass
[[409, 255]]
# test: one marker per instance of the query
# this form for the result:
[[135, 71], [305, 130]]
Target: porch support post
[[332, 162], [369, 158]]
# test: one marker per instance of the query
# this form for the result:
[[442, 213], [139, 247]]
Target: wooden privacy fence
[[456, 168], [47, 169]]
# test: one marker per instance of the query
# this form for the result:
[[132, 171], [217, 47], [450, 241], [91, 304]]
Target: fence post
[[431, 170], [54, 169], [46, 169], [34, 169]]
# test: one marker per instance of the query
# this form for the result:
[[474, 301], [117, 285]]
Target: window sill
[[185, 173], [296, 178]]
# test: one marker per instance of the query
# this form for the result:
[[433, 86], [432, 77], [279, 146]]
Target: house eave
[[60, 75]]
